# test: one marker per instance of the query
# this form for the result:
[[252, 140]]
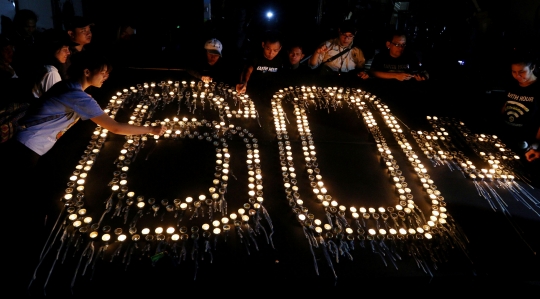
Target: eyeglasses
[[399, 45], [347, 36]]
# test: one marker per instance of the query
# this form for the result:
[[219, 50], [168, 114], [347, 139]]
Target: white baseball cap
[[213, 46]]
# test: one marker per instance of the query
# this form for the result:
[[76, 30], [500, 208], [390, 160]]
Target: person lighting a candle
[[64, 104], [212, 67], [262, 70]]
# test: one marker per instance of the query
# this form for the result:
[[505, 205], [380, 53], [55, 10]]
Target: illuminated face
[[97, 78], [211, 58], [62, 54], [397, 46], [82, 36], [522, 73], [295, 55], [346, 38], [270, 50]]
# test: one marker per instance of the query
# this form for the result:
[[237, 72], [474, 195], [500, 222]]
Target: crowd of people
[[59, 68], [51, 71]]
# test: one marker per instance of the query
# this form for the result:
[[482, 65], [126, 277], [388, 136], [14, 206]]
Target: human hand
[[363, 75], [532, 155], [419, 77], [323, 49], [158, 130], [241, 88], [206, 79], [403, 76]]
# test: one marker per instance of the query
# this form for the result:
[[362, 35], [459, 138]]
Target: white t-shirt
[[349, 61], [49, 79]]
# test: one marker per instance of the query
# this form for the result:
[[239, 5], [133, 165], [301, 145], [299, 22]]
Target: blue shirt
[[68, 102]]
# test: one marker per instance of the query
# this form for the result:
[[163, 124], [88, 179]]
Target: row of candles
[[176, 128], [407, 219], [209, 212], [501, 162], [404, 220], [358, 100], [404, 193], [194, 95]]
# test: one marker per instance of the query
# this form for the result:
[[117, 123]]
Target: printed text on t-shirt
[[267, 69]]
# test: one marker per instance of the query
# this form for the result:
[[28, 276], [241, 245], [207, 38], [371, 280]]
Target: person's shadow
[[6, 23]]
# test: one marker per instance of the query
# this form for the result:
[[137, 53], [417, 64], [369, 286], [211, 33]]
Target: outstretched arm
[[115, 127], [194, 74], [392, 75]]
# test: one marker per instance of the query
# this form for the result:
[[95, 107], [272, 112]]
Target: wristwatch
[[533, 146]]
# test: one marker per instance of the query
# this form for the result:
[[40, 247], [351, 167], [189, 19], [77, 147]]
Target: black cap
[[57, 38], [79, 22], [347, 26]]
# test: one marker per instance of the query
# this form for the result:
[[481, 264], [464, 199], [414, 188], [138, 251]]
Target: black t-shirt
[[302, 75], [520, 114], [406, 63], [266, 74], [409, 63]]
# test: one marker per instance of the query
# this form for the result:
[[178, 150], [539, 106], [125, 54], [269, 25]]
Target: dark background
[[498, 250], [479, 33], [169, 33], [501, 252]]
